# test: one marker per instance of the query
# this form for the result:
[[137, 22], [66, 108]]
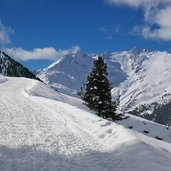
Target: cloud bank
[[157, 16], [49, 53]]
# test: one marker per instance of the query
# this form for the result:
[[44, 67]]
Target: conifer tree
[[97, 91]]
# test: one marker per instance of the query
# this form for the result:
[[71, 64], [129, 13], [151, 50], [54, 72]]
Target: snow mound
[[45, 91], [2, 79]]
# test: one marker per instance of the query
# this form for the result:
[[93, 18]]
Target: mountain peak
[[74, 51], [138, 50]]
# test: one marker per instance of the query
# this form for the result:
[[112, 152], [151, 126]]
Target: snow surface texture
[[139, 76], [2, 79], [40, 130]]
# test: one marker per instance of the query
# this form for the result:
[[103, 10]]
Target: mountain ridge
[[141, 77], [12, 68]]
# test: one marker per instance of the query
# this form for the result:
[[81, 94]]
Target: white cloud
[[104, 29], [108, 37], [39, 53], [139, 3], [157, 15], [5, 34], [134, 3]]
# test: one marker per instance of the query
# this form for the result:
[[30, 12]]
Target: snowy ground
[[148, 128], [43, 130]]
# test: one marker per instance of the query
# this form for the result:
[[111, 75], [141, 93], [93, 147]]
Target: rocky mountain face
[[142, 78], [11, 68]]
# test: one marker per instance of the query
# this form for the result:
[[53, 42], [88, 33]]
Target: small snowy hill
[[141, 78], [41, 129], [9, 67]]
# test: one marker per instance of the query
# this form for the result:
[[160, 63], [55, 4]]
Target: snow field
[[41, 130]]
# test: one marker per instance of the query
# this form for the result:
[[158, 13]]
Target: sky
[[38, 32]]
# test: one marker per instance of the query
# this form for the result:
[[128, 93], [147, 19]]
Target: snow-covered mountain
[[142, 78], [9, 67], [42, 129], [68, 73]]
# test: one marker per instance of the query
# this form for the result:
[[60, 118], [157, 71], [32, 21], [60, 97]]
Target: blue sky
[[36, 32]]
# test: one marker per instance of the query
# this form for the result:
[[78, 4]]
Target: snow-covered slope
[[147, 127], [40, 130], [141, 78], [148, 77]]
